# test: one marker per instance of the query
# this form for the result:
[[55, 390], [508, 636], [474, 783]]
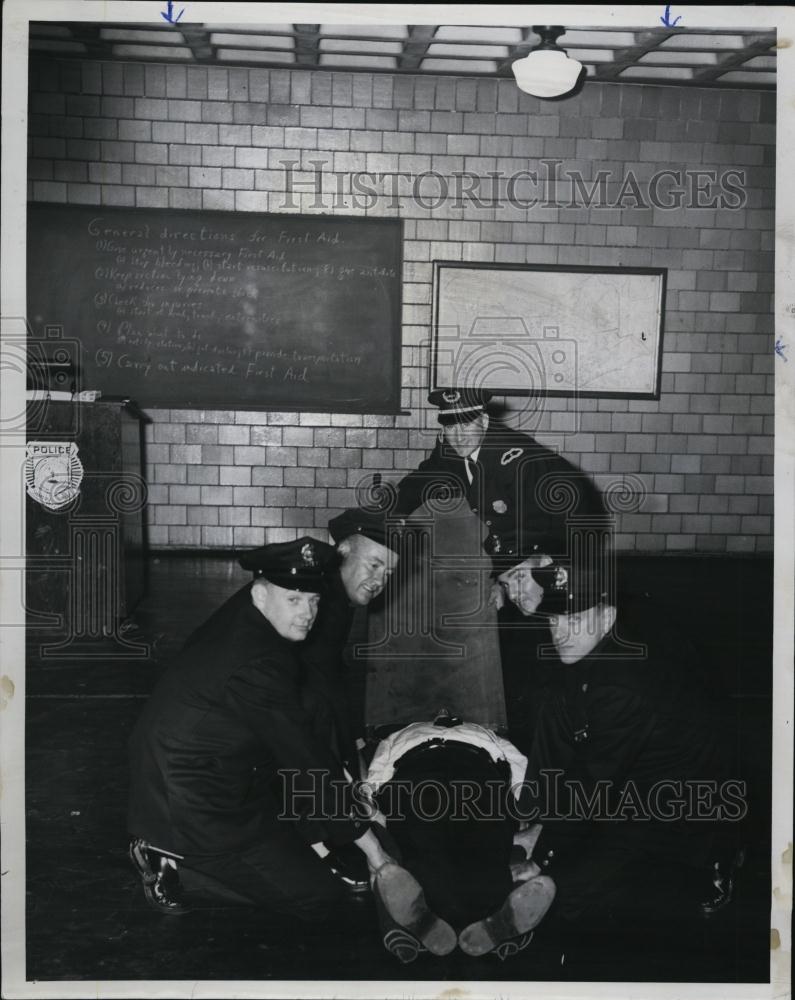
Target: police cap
[[459, 406], [509, 548], [372, 524], [298, 565], [569, 585]]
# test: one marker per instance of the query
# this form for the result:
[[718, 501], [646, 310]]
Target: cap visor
[[288, 581], [445, 419]]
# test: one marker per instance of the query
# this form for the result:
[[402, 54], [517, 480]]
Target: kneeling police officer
[[227, 717]]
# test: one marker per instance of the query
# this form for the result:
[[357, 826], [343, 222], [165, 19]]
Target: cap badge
[[496, 544], [453, 396], [499, 507], [511, 454], [308, 554]]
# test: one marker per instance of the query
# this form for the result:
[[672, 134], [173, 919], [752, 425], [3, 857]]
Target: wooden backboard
[[434, 643]]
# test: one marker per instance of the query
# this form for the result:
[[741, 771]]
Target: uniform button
[[585, 687], [474, 510], [488, 524]]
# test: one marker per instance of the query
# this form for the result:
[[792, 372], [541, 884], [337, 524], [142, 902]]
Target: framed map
[[544, 330]]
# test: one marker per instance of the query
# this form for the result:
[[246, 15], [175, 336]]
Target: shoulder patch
[[510, 455]]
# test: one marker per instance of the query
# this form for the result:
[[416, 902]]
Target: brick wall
[[698, 461]]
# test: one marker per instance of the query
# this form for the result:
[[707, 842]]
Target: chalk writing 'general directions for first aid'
[[205, 308]]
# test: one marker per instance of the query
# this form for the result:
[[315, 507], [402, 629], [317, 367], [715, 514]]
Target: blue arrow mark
[[780, 348], [666, 18], [168, 15]]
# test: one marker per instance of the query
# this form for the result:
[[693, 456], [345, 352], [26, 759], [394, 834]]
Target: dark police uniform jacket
[[323, 680], [520, 487], [642, 724], [225, 717]]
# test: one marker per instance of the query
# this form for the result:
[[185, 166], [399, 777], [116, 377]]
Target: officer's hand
[[367, 804], [497, 596], [378, 817], [525, 870], [527, 838], [376, 856]]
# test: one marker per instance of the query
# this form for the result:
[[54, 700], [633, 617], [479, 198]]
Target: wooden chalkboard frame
[[190, 397], [482, 377]]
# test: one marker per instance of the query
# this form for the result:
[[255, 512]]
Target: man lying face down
[[624, 740], [447, 790]]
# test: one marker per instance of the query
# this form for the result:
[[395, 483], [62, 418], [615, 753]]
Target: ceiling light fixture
[[546, 71]]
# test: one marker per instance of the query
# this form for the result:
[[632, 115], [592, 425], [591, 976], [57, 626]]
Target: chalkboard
[[229, 310]]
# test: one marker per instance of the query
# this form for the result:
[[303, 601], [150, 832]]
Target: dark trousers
[[282, 873], [627, 869], [446, 809]]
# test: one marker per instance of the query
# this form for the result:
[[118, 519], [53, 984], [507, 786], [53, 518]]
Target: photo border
[[16, 14]]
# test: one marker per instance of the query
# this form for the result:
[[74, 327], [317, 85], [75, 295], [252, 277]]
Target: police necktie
[[473, 473]]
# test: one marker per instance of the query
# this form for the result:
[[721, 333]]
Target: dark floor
[[86, 917]]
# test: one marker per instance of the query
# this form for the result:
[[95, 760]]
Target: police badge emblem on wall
[[53, 473]]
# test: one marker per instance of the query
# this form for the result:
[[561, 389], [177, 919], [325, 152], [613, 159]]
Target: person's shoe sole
[[523, 910], [404, 901]]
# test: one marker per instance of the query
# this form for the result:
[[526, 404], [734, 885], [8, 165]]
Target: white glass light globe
[[546, 73]]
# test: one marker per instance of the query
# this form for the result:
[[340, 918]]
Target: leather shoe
[[521, 912], [722, 875], [349, 865], [162, 890], [403, 901]]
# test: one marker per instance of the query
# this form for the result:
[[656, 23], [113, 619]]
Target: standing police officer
[[514, 485]]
